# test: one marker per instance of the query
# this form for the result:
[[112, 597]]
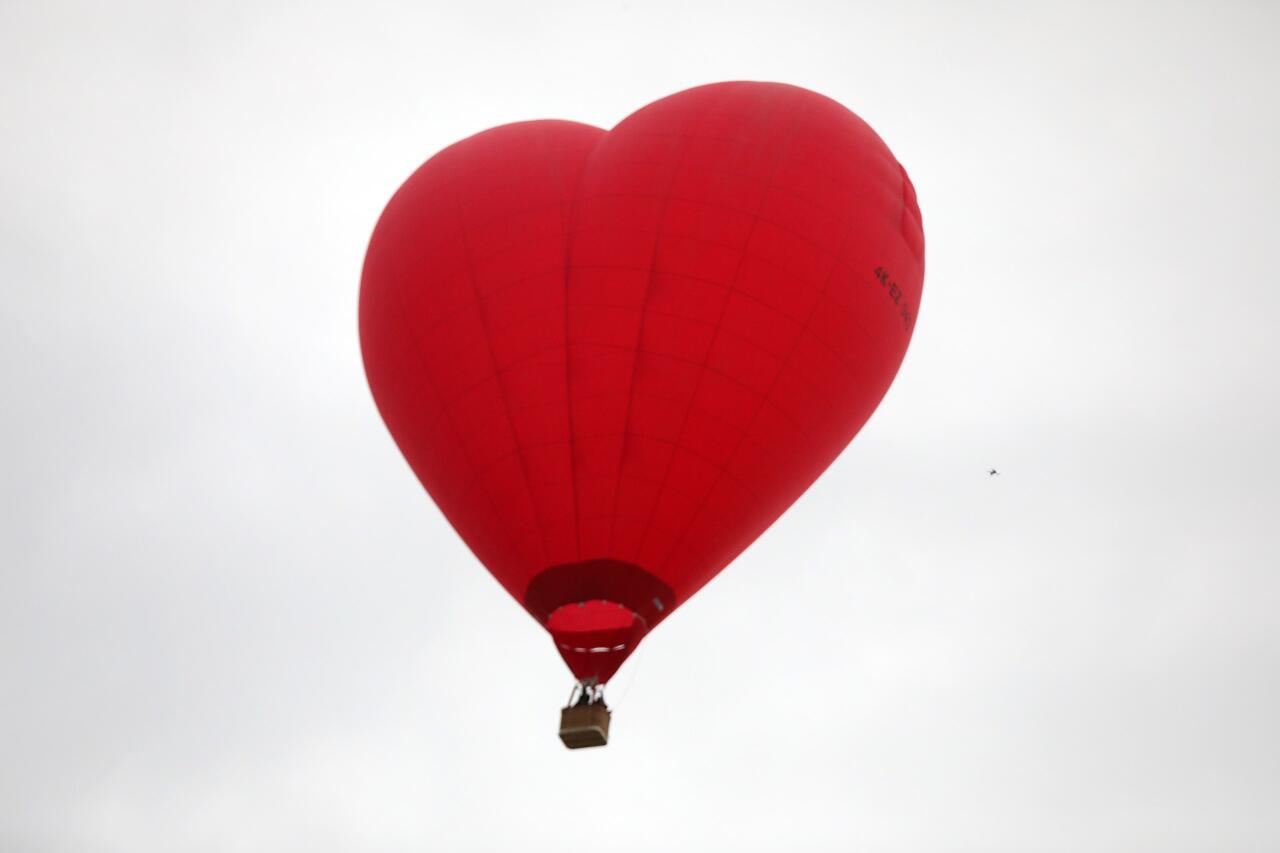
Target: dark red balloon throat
[[597, 611]]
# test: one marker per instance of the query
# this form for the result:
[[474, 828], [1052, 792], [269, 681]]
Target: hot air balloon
[[614, 358]]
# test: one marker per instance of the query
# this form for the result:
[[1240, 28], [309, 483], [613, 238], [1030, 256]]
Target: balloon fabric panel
[[615, 358]]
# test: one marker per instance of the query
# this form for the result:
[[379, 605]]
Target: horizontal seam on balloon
[[491, 464], [852, 271], [459, 395], [488, 256], [487, 467], [890, 227], [511, 285], [539, 528], [769, 262], [705, 323], [462, 310], [723, 286], [744, 294], [428, 251], [829, 347]]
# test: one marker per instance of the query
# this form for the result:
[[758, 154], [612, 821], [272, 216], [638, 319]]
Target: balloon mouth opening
[[595, 627], [595, 637], [594, 586], [597, 611], [598, 615]]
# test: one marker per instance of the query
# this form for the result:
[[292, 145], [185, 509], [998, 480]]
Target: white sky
[[230, 620]]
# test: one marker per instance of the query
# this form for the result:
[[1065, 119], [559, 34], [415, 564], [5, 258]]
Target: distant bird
[[993, 472]]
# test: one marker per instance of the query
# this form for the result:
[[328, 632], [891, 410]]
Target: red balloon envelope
[[614, 358]]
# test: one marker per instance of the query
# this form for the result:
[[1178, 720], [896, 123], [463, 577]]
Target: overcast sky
[[230, 619]]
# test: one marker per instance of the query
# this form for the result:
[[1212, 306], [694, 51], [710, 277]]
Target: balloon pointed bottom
[[582, 726]]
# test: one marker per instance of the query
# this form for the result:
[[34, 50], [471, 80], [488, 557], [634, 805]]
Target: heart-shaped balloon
[[614, 358]]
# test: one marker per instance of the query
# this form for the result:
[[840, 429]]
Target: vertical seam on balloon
[[448, 414], [530, 357], [755, 219], [557, 177], [836, 265], [441, 322], [686, 139], [493, 362], [568, 352], [711, 462], [831, 178], [766, 399]]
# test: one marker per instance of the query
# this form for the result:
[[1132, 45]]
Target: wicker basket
[[584, 725]]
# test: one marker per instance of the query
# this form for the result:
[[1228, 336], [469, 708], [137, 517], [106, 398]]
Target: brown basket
[[584, 725]]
